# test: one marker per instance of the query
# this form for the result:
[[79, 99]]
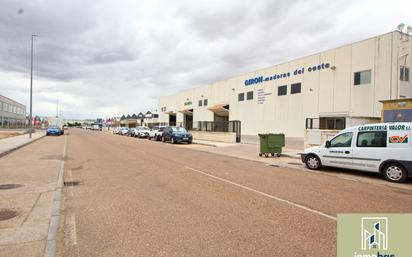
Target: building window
[[241, 97], [404, 73], [249, 95], [332, 123], [371, 139], [295, 88], [205, 102], [200, 103], [362, 77], [282, 90]]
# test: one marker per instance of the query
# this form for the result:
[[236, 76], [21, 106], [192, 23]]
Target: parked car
[[156, 133], [96, 127], [382, 148], [54, 130], [116, 130], [124, 131], [132, 132], [142, 132], [176, 135]]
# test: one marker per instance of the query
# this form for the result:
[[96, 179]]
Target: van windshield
[[343, 140]]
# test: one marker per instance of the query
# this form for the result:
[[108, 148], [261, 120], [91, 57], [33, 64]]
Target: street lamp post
[[31, 89]]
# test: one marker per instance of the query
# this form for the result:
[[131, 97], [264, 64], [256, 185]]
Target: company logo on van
[[399, 139]]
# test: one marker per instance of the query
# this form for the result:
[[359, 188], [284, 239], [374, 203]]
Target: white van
[[383, 148]]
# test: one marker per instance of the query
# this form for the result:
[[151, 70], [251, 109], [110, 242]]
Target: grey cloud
[[105, 58]]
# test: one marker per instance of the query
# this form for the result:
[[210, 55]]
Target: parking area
[[128, 196]]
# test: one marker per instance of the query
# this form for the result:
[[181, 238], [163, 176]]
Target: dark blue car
[[176, 135], [54, 131]]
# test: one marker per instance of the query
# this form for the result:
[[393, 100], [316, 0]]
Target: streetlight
[[31, 88]]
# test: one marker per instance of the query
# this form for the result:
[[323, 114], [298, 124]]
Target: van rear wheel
[[313, 162], [395, 172]]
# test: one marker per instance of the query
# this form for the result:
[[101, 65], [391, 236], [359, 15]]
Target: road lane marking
[[71, 233], [50, 249], [71, 187], [297, 205]]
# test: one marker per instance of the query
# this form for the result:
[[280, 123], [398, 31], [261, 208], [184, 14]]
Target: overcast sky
[[105, 58]]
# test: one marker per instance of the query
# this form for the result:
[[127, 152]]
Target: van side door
[[369, 151], [339, 154]]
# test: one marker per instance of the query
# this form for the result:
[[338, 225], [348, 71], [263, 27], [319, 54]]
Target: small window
[[362, 77], [205, 102], [343, 140], [249, 95], [404, 73], [200, 102], [295, 88], [371, 139], [282, 90], [241, 97]]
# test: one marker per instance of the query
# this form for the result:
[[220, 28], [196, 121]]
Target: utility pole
[[31, 89]]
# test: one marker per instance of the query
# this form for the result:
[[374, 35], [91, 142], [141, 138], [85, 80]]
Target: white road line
[[267, 195], [71, 233], [71, 188]]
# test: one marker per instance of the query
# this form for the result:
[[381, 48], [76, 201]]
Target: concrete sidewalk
[[10, 144], [249, 149], [28, 182]]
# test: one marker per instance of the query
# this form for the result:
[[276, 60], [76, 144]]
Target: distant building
[[12, 113], [149, 119]]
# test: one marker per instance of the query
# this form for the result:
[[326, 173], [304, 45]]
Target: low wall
[[227, 137], [315, 137]]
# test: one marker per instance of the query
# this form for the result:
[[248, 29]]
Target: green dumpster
[[271, 144]]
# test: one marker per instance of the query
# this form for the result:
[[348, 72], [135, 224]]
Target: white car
[[124, 131], [384, 148], [96, 127], [142, 132], [116, 130], [156, 133]]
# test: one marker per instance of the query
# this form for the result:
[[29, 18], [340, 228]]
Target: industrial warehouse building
[[334, 89], [12, 113]]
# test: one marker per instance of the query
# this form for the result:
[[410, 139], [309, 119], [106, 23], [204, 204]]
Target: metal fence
[[212, 126], [221, 126]]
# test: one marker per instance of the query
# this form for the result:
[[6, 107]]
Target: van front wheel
[[395, 172], [313, 162]]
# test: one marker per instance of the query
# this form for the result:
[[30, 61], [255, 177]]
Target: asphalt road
[[133, 197]]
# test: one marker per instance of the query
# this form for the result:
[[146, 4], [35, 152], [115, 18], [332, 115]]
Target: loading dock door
[[187, 118]]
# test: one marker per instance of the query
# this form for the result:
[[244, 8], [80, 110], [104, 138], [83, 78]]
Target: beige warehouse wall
[[327, 92]]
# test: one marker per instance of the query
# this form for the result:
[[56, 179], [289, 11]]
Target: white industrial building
[[333, 89]]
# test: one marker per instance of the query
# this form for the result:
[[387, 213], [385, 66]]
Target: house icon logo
[[374, 233]]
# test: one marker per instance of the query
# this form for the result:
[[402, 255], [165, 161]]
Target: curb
[[20, 146], [206, 144], [50, 249], [294, 156]]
